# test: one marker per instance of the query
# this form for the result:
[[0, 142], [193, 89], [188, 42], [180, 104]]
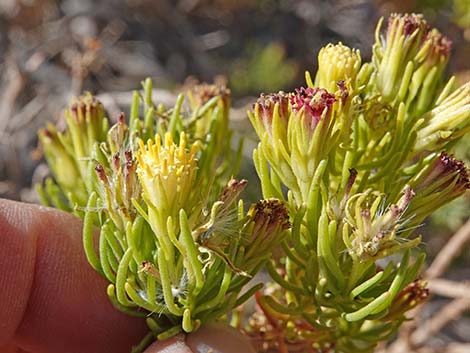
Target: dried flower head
[[271, 213], [375, 228], [412, 295], [269, 219], [119, 186], [201, 93], [232, 190]]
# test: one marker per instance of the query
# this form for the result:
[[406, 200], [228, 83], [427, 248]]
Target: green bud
[[446, 122], [63, 164], [391, 55], [86, 123]]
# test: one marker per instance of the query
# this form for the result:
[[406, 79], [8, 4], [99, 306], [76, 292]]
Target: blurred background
[[51, 50]]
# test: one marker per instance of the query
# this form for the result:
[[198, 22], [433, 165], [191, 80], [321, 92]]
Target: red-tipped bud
[[446, 167], [407, 24], [116, 162], [438, 48], [266, 103], [121, 118], [128, 156], [314, 101], [101, 173]]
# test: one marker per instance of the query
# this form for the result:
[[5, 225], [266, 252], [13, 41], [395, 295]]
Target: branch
[[453, 247], [450, 312], [449, 289]]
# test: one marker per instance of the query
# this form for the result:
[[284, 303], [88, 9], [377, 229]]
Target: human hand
[[51, 301]]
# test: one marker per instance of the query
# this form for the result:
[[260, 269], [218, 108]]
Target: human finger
[[51, 300]]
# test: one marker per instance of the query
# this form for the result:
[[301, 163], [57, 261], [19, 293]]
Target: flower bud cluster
[[297, 130]]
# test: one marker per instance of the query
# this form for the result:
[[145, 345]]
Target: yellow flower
[[336, 63], [167, 172]]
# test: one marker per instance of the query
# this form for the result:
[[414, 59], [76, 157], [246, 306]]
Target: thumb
[[213, 338]]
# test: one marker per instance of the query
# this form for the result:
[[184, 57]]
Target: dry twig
[[449, 289], [453, 247], [450, 312]]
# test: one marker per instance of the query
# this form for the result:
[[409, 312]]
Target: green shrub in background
[[264, 69]]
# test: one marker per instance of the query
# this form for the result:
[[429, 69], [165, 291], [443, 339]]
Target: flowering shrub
[[363, 155], [349, 165]]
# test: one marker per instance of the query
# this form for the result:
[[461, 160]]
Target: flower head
[[119, 186], [314, 102], [269, 104], [407, 25], [62, 163], [439, 47], [268, 221], [444, 179], [392, 54], [412, 295], [86, 123], [337, 63], [200, 94], [375, 227], [445, 168], [86, 108], [167, 172], [210, 104]]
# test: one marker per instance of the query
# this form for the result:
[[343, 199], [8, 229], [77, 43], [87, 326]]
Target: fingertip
[[17, 261], [218, 338], [51, 300], [175, 344]]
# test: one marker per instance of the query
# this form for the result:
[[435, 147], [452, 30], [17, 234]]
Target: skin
[[51, 300]]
